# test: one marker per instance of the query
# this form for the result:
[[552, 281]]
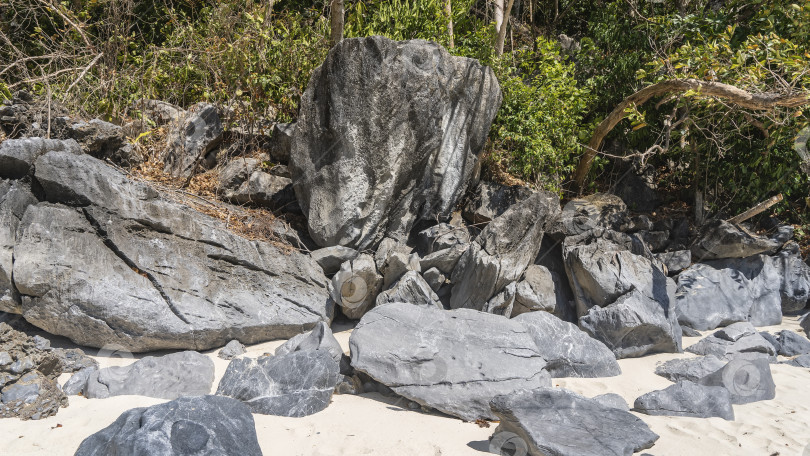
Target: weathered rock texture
[[129, 268], [205, 425], [388, 133], [501, 253], [687, 399], [560, 422], [453, 361], [296, 384]]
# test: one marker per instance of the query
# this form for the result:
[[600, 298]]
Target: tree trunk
[[448, 9], [268, 13], [502, 31], [336, 13], [498, 5], [734, 95]]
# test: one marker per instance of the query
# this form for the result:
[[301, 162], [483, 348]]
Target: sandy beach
[[372, 424]]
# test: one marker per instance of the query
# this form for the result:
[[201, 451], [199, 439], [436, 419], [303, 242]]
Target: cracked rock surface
[[453, 361], [98, 262]]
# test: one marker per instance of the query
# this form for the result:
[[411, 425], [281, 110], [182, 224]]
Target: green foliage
[[538, 129]]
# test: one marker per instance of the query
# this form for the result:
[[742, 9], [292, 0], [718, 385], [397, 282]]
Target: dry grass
[[201, 194]]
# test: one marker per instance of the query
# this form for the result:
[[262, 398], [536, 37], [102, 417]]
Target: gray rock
[[740, 340], [503, 302], [502, 251], [569, 351], [601, 267], [440, 237], [15, 197], [169, 376], [792, 343], [799, 361], [747, 380], [720, 239], [804, 322], [559, 422], [434, 278], [676, 261], [639, 191], [718, 293], [159, 112], [691, 369], [686, 398], [320, 338], [103, 140], [125, 284], [581, 215], [17, 156], [396, 265], [77, 382], [444, 260], [237, 172], [655, 240], [356, 286], [231, 350], [32, 396], [296, 384], [281, 142], [634, 325], [540, 290], [772, 339], [551, 258], [489, 200], [411, 289], [454, 361], [190, 138], [689, 332], [612, 400], [388, 134], [331, 258], [795, 278], [263, 189], [205, 425]]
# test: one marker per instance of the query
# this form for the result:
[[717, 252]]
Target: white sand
[[374, 425]]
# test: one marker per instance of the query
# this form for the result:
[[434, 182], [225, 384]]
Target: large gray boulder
[[296, 384], [191, 137], [205, 425], [601, 267], [747, 380], [243, 181], [740, 340], [15, 197], [792, 344], [691, 369], [170, 376], [389, 133], [502, 251], [331, 258], [634, 325], [568, 350], [109, 272], [559, 422], [686, 398], [17, 156], [718, 293], [454, 361], [720, 239], [795, 275]]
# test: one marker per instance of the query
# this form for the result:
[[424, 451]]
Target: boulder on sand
[[453, 361]]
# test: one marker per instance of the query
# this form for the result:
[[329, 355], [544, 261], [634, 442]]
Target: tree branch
[[732, 94]]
